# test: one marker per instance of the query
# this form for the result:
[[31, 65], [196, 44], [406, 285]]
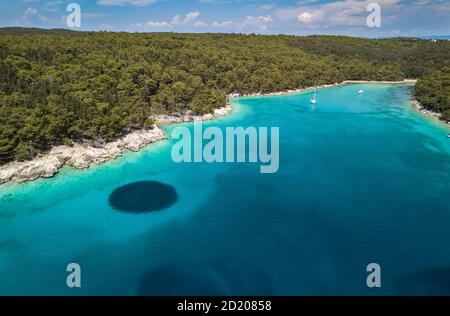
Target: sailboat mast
[[313, 100]]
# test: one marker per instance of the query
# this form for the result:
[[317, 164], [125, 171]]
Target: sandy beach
[[82, 156], [287, 92]]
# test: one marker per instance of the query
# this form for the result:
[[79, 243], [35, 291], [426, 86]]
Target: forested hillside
[[60, 87], [433, 92], [413, 57]]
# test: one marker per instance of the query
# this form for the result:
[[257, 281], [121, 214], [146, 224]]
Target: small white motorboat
[[360, 91]]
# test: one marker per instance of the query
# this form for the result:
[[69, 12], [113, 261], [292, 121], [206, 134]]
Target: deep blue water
[[362, 179]]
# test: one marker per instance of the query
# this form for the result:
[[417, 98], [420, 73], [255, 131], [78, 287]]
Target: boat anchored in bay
[[314, 99]]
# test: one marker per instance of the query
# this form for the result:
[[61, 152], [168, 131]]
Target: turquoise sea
[[362, 179]]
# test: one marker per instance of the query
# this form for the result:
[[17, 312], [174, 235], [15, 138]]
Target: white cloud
[[257, 23], [176, 20], [31, 11], [248, 24], [190, 19], [258, 19], [191, 16], [200, 24], [223, 23], [305, 17], [161, 24], [30, 17], [338, 13]]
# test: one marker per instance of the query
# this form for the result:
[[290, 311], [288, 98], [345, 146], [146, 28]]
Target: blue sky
[[300, 17]]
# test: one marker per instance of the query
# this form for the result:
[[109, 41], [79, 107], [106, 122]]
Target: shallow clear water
[[362, 178]]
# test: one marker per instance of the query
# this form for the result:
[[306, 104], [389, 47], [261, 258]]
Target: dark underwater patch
[[177, 281], [143, 197], [223, 277]]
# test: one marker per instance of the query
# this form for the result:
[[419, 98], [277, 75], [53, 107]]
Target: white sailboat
[[314, 99]]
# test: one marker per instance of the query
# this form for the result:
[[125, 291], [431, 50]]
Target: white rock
[[79, 156], [183, 118]]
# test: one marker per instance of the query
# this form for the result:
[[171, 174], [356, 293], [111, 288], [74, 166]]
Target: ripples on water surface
[[363, 178]]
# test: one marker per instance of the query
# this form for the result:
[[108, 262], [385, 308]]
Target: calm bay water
[[362, 178]]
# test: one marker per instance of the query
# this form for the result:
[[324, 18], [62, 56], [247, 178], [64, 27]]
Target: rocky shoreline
[[82, 156], [79, 156], [184, 118], [438, 116]]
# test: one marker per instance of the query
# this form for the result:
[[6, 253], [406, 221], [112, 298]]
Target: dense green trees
[[60, 87], [410, 57], [433, 92]]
